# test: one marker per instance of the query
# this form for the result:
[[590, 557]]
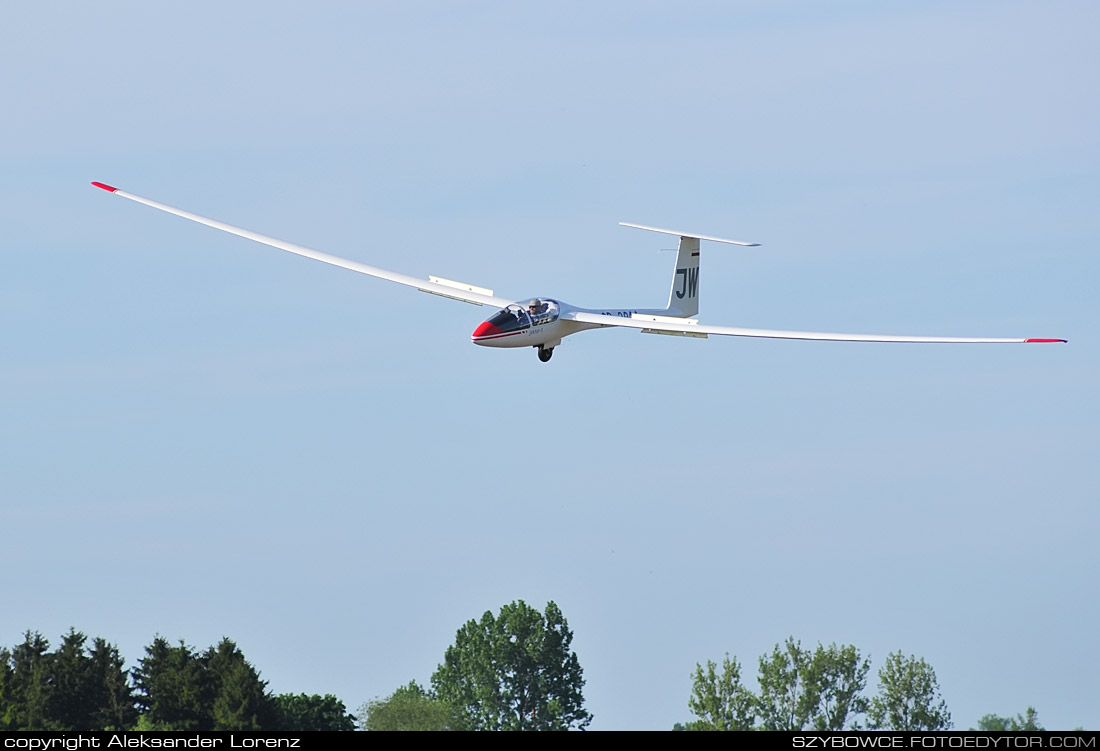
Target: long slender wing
[[434, 285], [660, 324]]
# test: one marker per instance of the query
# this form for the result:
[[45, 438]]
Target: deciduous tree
[[514, 671], [821, 689], [787, 700], [799, 688], [840, 676], [720, 701], [408, 708], [316, 712], [909, 696], [1028, 721]]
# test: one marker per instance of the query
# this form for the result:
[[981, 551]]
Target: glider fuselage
[[539, 322]]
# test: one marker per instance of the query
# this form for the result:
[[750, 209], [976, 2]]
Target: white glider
[[543, 322]]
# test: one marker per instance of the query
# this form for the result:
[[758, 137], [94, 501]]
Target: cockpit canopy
[[535, 312]]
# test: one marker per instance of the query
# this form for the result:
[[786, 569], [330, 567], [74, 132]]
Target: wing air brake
[[461, 286], [689, 322]]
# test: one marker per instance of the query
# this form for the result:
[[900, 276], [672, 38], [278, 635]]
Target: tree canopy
[[316, 712], [819, 688], [514, 671], [408, 708], [909, 696], [1027, 721], [720, 701]]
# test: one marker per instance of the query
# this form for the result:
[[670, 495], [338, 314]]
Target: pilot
[[537, 306]]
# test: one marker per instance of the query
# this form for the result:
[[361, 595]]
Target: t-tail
[[683, 298]]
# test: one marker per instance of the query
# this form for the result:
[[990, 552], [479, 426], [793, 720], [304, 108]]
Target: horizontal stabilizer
[[695, 235]]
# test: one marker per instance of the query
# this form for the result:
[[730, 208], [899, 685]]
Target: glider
[[542, 322]]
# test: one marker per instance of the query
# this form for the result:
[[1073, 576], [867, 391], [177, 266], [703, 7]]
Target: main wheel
[[545, 354]]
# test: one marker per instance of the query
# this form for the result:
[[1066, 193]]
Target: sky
[[204, 437]]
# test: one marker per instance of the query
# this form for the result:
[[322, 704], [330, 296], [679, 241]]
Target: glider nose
[[482, 331]]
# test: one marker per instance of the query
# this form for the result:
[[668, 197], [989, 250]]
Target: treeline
[[514, 670], [174, 687]]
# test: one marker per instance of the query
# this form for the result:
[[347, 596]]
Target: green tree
[[785, 702], [7, 690], [408, 708], [238, 698], [67, 689], [720, 701], [1028, 721], [112, 693], [29, 688], [514, 672], [820, 688], [840, 677], [71, 701], [179, 689], [316, 712], [172, 689], [909, 697]]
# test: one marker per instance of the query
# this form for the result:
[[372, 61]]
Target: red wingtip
[[105, 187], [1028, 341]]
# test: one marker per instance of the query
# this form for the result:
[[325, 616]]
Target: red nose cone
[[485, 329]]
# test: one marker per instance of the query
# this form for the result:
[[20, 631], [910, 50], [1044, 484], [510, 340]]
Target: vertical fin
[[683, 298]]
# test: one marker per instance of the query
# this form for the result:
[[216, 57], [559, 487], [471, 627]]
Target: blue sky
[[203, 437]]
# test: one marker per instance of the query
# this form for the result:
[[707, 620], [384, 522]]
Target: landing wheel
[[545, 354]]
